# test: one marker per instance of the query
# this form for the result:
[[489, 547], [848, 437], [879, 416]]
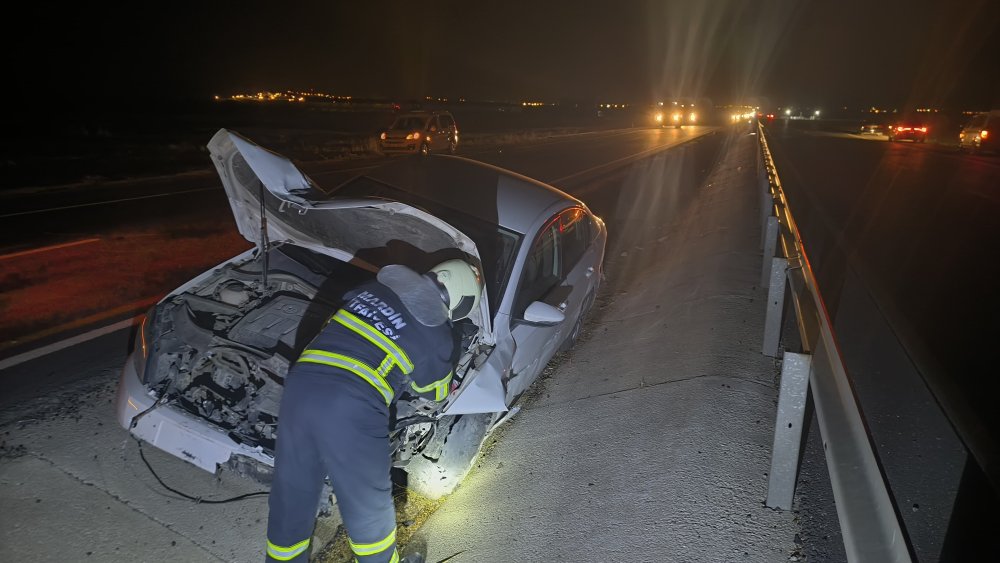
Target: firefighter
[[393, 333]]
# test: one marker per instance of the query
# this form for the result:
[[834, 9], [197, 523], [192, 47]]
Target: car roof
[[486, 192]]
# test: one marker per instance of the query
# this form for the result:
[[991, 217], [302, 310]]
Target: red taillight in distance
[[983, 134]]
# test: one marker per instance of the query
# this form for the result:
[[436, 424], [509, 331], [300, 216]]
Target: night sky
[[819, 52]]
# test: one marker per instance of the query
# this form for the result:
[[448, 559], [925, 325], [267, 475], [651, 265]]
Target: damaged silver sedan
[[205, 377]]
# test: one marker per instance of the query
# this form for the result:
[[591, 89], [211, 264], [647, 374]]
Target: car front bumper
[[400, 146], [174, 431]]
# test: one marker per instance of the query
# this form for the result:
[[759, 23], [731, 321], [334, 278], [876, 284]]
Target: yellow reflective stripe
[[282, 553], [363, 549], [440, 387], [354, 366], [395, 557], [376, 337], [386, 366]]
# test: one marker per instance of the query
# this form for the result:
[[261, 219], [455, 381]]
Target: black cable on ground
[[191, 497]]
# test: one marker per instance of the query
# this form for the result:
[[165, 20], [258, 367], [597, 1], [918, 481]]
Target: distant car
[[683, 114], [907, 128], [205, 377], [675, 114], [872, 127], [981, 133], [420, 132]]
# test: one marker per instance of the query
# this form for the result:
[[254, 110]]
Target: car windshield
[[497, 246], [408, 123]]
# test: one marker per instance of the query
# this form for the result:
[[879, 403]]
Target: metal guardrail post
[[766, 205], [788, 428], [770, 246], [775, 307]]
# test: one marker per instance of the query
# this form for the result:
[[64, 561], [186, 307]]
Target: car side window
[[542, 268]]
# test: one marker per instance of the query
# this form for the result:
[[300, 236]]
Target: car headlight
[[413, 137]]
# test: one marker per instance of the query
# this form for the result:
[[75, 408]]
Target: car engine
[[224, 345]]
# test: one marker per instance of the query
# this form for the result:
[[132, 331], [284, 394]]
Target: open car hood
[[369, 232]]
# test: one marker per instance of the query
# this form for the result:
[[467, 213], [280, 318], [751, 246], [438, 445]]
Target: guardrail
[[869, 521]]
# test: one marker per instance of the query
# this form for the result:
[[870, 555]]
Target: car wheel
[[449, 456], [452, 146], [425, 149]]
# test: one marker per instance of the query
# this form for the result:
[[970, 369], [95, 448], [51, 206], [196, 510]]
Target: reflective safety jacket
[[376, 339]]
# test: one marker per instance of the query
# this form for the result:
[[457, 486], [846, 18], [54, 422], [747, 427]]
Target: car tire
[[452, 146], [449, 456], [425, 149]]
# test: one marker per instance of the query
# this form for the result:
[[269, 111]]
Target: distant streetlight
[[788, 112], [817, 113]]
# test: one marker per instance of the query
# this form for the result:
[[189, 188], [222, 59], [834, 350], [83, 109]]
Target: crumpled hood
[[370, 232]]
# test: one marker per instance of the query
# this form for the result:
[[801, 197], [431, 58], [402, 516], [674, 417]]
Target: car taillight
[[983, 134], [922, 129]]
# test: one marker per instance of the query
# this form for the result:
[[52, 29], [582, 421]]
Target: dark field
[[58, 146]]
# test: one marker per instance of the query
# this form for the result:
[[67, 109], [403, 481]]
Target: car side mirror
[[543, 314]]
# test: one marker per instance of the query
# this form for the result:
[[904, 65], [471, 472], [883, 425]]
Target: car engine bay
[[223, 345]]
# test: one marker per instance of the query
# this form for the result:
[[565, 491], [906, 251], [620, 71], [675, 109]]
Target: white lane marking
[[96, 203], [47, 248], [56, 346]]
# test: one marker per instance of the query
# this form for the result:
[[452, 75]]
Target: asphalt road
[[904, 240]]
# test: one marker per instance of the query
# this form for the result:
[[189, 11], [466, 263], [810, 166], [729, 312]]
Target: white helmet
[[463, 284]]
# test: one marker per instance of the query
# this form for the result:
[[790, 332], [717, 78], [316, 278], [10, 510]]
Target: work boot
[[413, 558]]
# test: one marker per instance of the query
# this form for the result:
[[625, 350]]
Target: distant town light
[[817, 113], [788, 112]]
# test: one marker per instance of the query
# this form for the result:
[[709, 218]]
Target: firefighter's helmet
[[463, 286]]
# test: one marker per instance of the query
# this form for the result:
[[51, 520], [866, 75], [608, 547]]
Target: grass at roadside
[[45, 291], [412, 510]]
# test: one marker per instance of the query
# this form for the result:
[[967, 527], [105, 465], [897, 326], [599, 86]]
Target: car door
[[550, 277], [579, 259]]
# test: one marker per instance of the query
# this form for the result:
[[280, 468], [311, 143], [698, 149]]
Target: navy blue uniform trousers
[[332, 423]]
